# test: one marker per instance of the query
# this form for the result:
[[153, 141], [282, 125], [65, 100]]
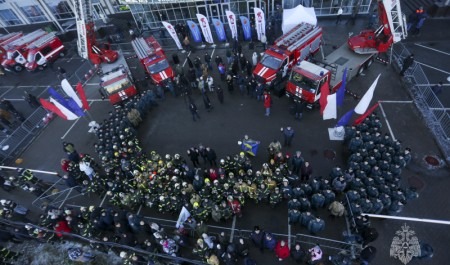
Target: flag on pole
[[345, 119], [67, 112], [365, 100], [340, 93], [80, 91], [51, 107], [324, 92], [366, 114], [330, 111], [65, 85], [184, 214], [172, 33], [260, 22], [204, 25], [231, 17], [68, 103], [220, 31]]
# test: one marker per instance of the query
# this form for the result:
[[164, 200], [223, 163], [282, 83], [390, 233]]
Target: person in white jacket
[[87, 169], [208, 241], [255, 58]]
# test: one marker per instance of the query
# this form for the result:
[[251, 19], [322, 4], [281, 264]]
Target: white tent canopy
[[294, 16]]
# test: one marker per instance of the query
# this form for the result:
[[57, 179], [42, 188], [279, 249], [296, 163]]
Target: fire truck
[[44, 50], [17, 51], [116, 81], [5, 40], [307, 78], [153, 59], [294, 46], [88, 47]]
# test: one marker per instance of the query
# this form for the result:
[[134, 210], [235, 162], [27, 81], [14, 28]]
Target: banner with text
[[231, 17], [220, 31], [195, 31], [173, 34], [246, 28], [204, 25], [260, 22]]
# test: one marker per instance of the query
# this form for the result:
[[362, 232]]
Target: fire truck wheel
[[361, 70], [369, 62], [40, 68], [18, 68]]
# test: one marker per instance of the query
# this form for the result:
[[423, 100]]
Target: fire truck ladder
[[28, 38], [294, 34], [8, 36], [39, 42], [398, 21], [141, 47], [83, 12], [304, 39]]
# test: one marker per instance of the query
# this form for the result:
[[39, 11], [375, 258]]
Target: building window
[[60, 9], [33, 13], [9, 17]]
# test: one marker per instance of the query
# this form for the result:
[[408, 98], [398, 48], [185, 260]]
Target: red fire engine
[[294, 46], [5, 40], [153, 59], [116, 81], [17, 51], [390, 31], [86, 41], [307, 78], [44, 50]]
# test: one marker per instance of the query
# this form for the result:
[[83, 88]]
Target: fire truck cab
[[17, 51], [294, 46], [153, 59], [307, 78], [116, 81], [44, 50], [5, 40]]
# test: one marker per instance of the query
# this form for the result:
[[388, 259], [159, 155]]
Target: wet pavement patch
[[416, 182], [330, 154]]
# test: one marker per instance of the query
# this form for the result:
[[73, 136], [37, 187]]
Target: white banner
[[173, 34], [204, 25], [184, 214], [365, 100], [260, 22], [231, 17]]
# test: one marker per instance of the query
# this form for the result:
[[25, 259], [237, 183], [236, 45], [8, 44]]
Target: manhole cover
[[432, 161], [330, 154], [416, 182]]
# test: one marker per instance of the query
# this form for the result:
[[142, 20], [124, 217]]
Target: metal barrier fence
[[20, 138], [83, 74], [435, 115], [329, 246]]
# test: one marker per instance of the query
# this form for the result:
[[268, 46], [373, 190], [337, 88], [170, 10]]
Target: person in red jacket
[[235, 206], [62, 226], [267, 102], [282, 250]]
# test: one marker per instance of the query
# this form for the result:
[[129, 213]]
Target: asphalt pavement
[[169, 129]]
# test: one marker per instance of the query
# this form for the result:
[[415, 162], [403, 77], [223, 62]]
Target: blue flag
[[69, 104], [220, 31], [345, 119], [195, 31], [250, 147], [246, 28], [341, 91]]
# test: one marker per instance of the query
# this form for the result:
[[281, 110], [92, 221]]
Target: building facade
[[148, 14]]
